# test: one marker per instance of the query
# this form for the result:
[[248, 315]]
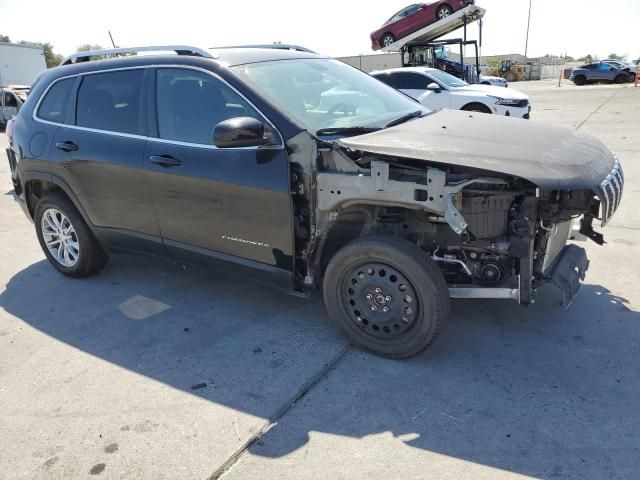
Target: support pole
[[526, 45], [462, 47], [560, 78]]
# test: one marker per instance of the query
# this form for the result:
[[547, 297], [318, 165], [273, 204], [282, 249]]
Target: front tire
[[386, 295], [387, 40], [476, 107], [65, 238], [443, 12]]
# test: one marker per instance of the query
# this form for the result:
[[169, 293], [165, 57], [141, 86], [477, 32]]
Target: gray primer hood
[[550, 157]]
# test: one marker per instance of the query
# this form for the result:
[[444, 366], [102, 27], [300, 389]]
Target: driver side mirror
[[239, 132], [434, 87]]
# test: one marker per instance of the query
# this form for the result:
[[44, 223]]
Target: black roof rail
[[79, 57]]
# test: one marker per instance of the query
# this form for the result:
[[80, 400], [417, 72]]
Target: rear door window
[[411, 81], [55, 103], [191, 103], [388, 78], [111, 101]]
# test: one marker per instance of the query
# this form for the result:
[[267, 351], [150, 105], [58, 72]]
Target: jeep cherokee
[[300, 171]]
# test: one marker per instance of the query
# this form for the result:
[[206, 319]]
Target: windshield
[[447, 79], [324, 94]]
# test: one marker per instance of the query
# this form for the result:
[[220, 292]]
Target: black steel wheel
[[386, 295]]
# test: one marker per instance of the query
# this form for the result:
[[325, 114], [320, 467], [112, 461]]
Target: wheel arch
[[476, 104], [380, 42], [352, 221], [442, 5], [38, 184]]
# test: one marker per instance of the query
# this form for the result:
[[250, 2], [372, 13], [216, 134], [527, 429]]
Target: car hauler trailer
[[422, 47], [449, 24]]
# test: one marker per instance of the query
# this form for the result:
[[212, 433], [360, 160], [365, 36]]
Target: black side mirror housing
[[433, 86], [239, 132]]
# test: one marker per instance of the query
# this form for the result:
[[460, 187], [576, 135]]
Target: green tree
[[589, 59], [5, 38], [87, 47], [493, 62], [614, 56], [51, 59]]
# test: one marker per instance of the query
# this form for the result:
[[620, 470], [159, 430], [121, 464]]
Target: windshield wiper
[[405, 118], [346, 130]]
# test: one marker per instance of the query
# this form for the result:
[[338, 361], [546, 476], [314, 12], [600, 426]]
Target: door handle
[[67, 146], [165, 160]]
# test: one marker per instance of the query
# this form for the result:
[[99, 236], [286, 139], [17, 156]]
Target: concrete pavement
[[96, 374]]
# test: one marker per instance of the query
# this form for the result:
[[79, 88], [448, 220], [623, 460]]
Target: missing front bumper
[[569, 270]]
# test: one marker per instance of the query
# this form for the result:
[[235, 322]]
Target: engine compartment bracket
[[380, 174], [453, 216]]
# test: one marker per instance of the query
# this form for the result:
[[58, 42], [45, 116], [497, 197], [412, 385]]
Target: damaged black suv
[[300, 171]]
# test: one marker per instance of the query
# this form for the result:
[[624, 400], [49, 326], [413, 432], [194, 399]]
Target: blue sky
[[331, 27]]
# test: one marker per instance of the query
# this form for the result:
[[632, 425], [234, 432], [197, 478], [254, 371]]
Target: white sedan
[[437, 89], [489, 80]]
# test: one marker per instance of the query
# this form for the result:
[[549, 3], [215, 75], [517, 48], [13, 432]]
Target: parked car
[[599, 72], [413, 18], [495, 81], [228, 159], [437, 89], [11, 99]]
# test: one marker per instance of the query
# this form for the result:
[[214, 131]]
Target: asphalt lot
[[96, 374]]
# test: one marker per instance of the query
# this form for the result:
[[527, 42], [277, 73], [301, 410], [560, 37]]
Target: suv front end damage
[[493, 234]]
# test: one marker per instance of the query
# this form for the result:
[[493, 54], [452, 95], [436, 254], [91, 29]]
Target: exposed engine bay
[[493, 235]]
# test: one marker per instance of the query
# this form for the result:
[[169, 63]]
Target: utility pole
[[111, 37], [526, 45]]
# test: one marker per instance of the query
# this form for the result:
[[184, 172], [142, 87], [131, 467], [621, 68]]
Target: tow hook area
[[569, 271]]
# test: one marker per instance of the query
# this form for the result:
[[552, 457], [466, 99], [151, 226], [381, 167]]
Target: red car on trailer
[[414, 17]]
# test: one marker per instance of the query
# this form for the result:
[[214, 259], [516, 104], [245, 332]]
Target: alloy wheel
[[443, 13], [60, 237]]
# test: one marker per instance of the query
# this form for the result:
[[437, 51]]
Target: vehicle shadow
[[536, 391]]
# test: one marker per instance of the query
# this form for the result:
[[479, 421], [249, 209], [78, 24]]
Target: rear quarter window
[[111, 101], [55, 103]]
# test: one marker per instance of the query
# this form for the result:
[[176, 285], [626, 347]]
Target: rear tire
[[65, 238], [476, 107], [387, 39], [580, 80], [443, 12], [386, 295]]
